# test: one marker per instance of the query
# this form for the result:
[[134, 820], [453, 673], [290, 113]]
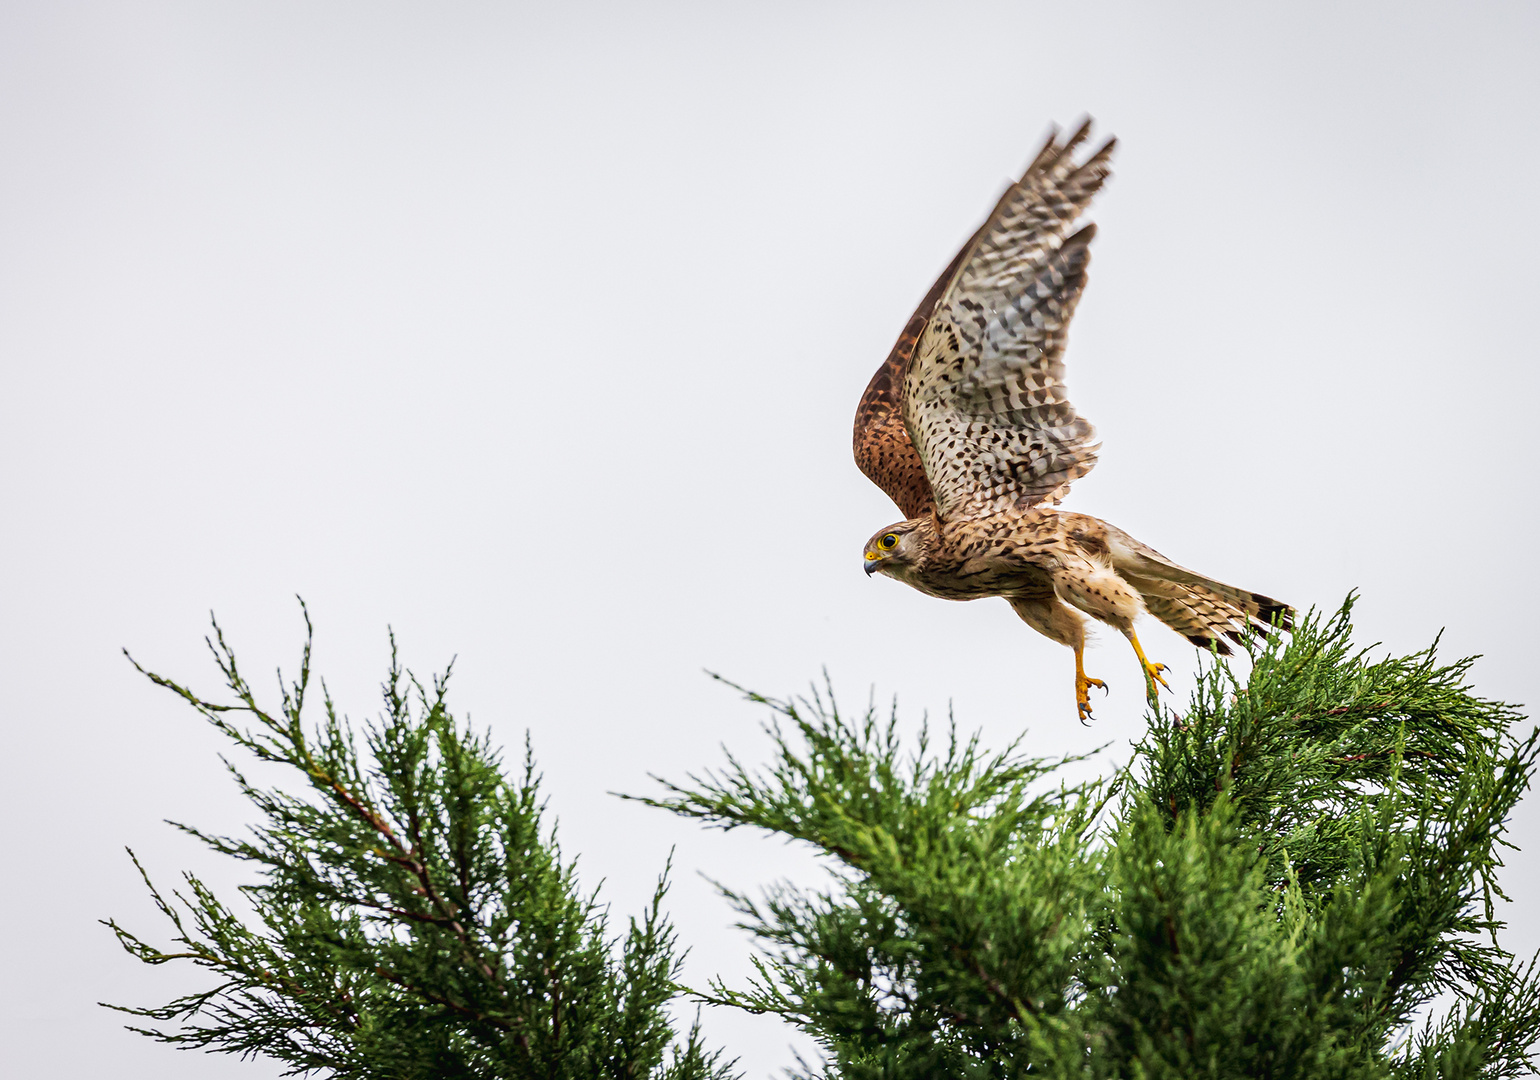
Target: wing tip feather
[[1055, 150]]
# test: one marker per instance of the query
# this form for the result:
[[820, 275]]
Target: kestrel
[[967, 428]]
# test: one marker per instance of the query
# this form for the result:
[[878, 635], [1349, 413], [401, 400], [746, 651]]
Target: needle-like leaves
[[412, 917], [1293, 867]]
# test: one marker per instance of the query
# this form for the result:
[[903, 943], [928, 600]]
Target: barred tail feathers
[[1201, 609]]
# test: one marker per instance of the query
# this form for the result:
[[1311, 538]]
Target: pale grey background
[[535, 331]]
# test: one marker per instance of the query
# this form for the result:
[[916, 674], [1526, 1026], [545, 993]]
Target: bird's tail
[[1202, 610]]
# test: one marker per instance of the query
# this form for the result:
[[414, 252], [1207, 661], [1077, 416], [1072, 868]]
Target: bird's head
[[898, 548]]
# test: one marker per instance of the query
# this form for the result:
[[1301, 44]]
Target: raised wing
[[884, 451], [982, 393]]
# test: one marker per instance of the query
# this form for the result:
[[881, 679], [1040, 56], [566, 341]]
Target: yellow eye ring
[[888, 542]]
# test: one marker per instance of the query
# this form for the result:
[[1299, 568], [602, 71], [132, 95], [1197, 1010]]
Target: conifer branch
[[412, 917], [1284, 874]]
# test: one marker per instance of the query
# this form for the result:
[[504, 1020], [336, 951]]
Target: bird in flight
[[967, 428]]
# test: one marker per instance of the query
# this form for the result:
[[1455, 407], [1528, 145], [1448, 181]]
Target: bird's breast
[[976, 574]]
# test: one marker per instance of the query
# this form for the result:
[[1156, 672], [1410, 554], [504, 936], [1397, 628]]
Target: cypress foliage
[[414, 917], [1285, 879], [1293, 877]]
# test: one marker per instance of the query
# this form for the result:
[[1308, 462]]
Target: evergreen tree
[[414, 918], [1286, 878]]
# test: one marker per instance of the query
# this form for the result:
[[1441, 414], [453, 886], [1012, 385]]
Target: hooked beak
[[871, 564]]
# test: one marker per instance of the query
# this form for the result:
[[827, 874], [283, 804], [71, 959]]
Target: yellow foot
[[1151, 670], [1084, 682]]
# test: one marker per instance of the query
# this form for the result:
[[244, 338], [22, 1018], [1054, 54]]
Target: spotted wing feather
[[983, 394], [883, 449]]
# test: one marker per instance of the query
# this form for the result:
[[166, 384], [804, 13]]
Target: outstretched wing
[[982, 394], [884, 451]]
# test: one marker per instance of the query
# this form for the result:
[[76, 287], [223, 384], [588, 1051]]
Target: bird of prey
[[967, 428]]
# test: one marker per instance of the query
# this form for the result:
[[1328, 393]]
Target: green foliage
[[1287, 880], [1278, 882], [414, 918]]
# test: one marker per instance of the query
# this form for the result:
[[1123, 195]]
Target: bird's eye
[[888, 542]]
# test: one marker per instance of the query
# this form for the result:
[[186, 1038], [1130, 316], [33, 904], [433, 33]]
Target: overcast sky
[[535, 332]]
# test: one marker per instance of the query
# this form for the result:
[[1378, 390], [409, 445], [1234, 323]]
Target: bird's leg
[[1083, 683], [1152, 672]]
